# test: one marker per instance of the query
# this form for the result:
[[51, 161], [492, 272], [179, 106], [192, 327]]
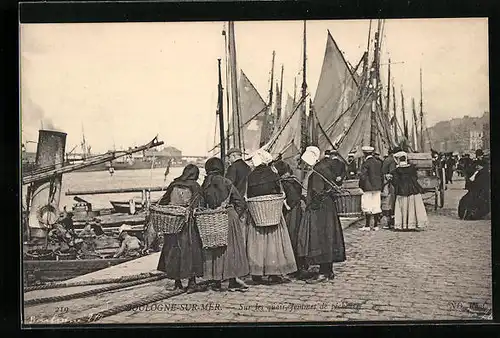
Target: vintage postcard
[[260, 171]]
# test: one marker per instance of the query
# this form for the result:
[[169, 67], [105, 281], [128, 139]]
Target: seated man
[[131, 246]]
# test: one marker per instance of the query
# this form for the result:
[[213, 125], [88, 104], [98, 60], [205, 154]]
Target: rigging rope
[[92, 292], [122, 279]]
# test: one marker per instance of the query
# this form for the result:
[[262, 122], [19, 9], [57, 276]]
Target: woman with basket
[[226, 259], [269, 248], [181, 256], [323, 244]]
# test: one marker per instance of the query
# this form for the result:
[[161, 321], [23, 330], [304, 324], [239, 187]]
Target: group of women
[[309, 231]]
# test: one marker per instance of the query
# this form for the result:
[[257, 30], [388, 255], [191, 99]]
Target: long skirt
[[229, 261], [269, 249], [293, 220], [321, 237], [410, 212], [182, 254], [388, 198], [370, 202]]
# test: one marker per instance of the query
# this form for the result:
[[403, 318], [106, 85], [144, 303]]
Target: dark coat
[[293, 217], [405, 181], [388, 165], [370, 177], [263, 181], [338, 168], [477, 202], [216, 190], [237, 173], [352, 170], [182, 256], [323, 242]]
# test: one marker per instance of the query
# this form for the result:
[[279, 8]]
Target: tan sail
[[252, 109], [335, 97]]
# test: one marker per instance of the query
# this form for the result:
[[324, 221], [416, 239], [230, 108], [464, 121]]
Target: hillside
[[461, 134]]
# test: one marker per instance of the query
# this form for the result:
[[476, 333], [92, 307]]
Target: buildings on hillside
[[463, 135]]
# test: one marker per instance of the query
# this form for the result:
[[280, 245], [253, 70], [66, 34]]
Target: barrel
[[348, 202], [422, 161]]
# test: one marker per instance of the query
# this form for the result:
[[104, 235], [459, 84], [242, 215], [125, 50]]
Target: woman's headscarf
[[214, 168], [188, 179], [214, 165], [402, 159], [261, 157], [190, 173]]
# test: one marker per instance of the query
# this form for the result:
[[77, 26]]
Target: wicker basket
[[266, 210], [168, 219], [213, 225]]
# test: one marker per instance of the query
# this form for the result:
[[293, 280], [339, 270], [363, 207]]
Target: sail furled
[[252, 108], [335, 96]]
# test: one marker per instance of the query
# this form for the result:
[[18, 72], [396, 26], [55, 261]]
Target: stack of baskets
[[266, 210], [213, 226], [168, 219]]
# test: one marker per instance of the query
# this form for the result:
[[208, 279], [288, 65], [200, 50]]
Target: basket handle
[[225, 203]]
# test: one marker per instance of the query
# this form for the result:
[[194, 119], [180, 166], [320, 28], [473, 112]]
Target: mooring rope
[[122, 279], [130, 306], [125, 307], [92, 292]]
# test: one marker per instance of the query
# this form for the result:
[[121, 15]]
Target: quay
[[441, 273]]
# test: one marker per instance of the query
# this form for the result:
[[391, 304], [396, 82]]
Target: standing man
[[238, 171], [337, 165], [388, 197], [450, 167], [370, 181], [352, 167]]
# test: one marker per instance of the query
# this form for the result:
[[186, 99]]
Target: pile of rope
[[92, 292], [122, 279]]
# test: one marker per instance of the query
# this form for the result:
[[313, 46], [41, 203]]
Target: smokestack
[[44, 210]]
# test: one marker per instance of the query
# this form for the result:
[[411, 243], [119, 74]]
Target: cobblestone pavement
[[441, 273]]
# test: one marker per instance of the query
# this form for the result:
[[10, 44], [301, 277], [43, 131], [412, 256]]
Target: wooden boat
[[123, 206], [43, 271]]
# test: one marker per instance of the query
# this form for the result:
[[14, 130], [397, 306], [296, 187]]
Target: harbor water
[[120, 179]]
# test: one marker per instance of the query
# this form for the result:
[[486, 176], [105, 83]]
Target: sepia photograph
[[255, 171]]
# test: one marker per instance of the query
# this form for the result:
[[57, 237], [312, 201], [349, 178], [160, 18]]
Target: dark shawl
[[405, 181], [217, 188], [325, 239], [237, 173], [263, 181], [188, 180]]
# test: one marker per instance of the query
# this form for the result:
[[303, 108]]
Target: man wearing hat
[[238, 171], [337, 165], [370, 181], [352, 167], [131, 245]]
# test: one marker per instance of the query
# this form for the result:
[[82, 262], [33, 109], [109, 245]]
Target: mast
[[303, 118], [234, 89], [405, 124], [414, 135], [374, 77], [268, 117], [388, 88], [220, 112], [280, 98], [394, 117], [422, 145], [227, 84]]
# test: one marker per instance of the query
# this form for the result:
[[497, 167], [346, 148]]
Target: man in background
[[370, 181], [238, 171], [352, 167], [337, 166]]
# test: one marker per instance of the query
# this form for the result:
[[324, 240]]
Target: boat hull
[[45, 271]]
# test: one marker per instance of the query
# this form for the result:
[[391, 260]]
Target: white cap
[[367, 149], [261, 156], [399, 154], [311, 155], [124, 227]]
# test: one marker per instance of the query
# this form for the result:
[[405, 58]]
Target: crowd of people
[[309, 233]]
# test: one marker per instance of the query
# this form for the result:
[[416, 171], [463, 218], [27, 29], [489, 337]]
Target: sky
[[124, 83]]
